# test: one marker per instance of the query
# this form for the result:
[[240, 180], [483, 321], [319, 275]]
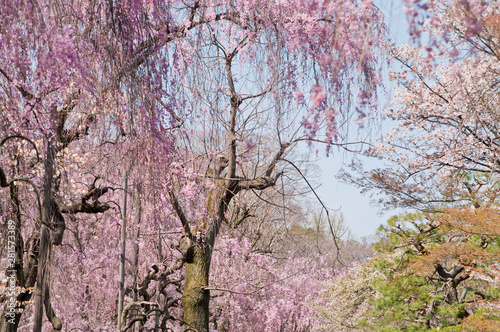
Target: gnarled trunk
[[195, 299]]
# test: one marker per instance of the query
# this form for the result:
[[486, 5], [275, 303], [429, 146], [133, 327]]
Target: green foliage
[[432, 271], [401, 297], [431, 266]]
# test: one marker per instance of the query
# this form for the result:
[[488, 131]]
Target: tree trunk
[[52, 218], [135, 262], [15, 250], [451, 295], [195, 299], [137, 231], [8, 325], [48, 216], [40, 279], [27, 280], [123, 238]]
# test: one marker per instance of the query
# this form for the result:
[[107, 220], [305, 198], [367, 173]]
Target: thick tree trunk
[[451, 294], [40, 279], [48, 207], [195, 298], [51, 217]]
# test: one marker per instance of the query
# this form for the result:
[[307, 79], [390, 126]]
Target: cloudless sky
[[360, 216]]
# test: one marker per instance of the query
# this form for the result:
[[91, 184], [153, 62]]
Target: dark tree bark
[[10, 321], [49, 209], [195, 298]]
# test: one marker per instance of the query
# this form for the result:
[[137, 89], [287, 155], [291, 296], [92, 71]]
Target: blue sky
[[360, 216]]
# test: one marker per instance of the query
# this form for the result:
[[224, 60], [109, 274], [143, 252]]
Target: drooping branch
[[26, 139], [169, 33]]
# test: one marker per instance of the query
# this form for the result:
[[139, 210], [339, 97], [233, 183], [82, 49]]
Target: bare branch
[[259, 183], [84, 206], [180, 213], [335, 240]]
